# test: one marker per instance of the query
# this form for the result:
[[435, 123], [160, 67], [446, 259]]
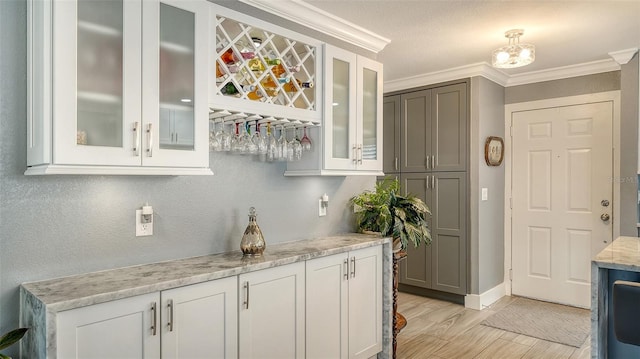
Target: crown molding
[[623, 56], [456, 73], [485, 70], [302, 13], [564, 72]]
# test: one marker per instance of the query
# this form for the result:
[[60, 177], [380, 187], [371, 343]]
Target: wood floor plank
[[503, 349], [470, 343], [520, 339]]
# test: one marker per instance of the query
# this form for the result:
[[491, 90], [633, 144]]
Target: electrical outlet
[[143, 229], [322, 210]]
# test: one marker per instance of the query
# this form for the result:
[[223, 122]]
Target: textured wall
[[54, 226], [487, 217]]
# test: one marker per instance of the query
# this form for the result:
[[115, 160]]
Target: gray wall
[[487, 217], [54, 226], [628, 178]]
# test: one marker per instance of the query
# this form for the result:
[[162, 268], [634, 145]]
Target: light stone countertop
[[99, 287], [622, 254]]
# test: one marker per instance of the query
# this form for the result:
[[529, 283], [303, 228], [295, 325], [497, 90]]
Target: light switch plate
[[485, 194], [143, 229]]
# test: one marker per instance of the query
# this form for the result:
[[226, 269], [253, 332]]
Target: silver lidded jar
[[252, 243]]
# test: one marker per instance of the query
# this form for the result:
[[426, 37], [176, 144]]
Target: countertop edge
[[54, 306]]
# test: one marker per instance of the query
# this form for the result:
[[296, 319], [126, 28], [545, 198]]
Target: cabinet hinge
[[510, 203], [510, 274], [511, 131]]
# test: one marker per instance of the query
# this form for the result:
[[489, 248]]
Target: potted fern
[[11, 338], [384, 210]]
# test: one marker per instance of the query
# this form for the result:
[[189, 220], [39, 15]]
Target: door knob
[[605, 217], [604, 203]]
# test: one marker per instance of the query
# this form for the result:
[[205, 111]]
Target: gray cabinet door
[[448, 231], [449, 128], [391, 135], [442, 265], [416, 131], [415, 269]]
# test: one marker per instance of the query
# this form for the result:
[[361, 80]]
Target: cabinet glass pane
[[369, 114], [99, 73], [340, 117], [177, 74]]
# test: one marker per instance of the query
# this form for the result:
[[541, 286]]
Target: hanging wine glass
[[282, 145], [294, 148], [250, 147], [236, 141], [272, 145], [260, 140], [305, 141], [214, 142], [225, 138]]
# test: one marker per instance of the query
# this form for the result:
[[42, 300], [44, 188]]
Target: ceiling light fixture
[[515, 54]]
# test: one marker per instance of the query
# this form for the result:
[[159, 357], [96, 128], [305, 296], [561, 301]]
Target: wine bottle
[[256, 65], [255, 95], [272, 62], [229, 89], [228, 57], [290, 87]]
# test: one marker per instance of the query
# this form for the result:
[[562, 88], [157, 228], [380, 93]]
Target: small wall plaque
[[494, 151]]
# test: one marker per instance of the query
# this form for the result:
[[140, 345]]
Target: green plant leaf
[[11, 337], [2, 356]]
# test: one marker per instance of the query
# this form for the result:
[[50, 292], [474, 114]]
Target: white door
[[327, 280], [272, 315], [561, 176], [125, 328], [200, 320]]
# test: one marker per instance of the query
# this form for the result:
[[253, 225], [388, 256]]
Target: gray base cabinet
[[442, 265]]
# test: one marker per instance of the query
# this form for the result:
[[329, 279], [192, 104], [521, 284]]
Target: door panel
[[391, 135], [449, 128], [416, 130], [562, 168]]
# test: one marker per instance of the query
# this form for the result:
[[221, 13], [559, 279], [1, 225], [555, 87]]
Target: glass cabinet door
[[96, 90], [370, 114], [340, 109], [175, 111]]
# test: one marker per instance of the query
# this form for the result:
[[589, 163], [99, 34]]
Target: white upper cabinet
[[115, 87], [350, 140], [259, 68]]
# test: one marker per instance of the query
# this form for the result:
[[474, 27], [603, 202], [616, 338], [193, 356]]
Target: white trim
[[501, 78], [481, 301], [302, 13], [623, 56], [456, 73], [587, 68], [613, 96], [114, 170]]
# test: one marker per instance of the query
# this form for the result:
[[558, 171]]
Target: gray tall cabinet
[[426, 147]]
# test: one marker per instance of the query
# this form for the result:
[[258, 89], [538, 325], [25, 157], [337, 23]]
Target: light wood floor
[[443, 330]]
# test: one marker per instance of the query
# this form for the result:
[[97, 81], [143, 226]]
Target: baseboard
[[481, 301]]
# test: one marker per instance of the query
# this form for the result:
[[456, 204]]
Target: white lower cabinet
[[194, 321], [344, 305], [272, 313], [200, 320]]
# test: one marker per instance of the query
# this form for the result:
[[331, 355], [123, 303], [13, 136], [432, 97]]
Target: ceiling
[[431, 36]]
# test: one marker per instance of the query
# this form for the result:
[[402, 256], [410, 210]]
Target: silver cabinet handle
[[154, 319], [427, 166], [136, 138], [395, 164], [176, 137], [353, 265], [433, 182], [360, 154], [427, 182], [346, 269], [170, 306], [150, 140], [246, 295], [433, 161], [354, 154]]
